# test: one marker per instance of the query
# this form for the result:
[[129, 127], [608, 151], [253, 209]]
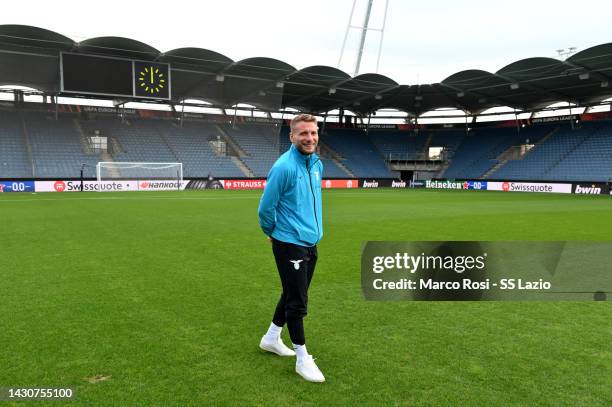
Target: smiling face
[[305, 136]]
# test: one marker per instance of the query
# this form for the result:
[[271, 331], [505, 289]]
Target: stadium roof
[[29, 57]]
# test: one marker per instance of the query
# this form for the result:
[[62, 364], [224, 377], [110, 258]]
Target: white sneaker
[[277, 346], [308, 369]]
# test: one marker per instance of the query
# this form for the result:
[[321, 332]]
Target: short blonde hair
[[302, 118]]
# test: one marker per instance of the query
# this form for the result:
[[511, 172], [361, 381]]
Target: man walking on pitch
[[290, 215]]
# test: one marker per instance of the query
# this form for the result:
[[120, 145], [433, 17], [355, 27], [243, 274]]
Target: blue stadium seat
[[359, 153], [35, 144], [14, 160], [540, 160], [479, 150]]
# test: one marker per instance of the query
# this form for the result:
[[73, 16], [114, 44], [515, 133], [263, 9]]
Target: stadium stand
[[450, 139], [403, 145], [590, 160], [479, 151], [359, 153], [191, 145], [570, 154], [542, 157], [154, 140], [260, 142], [14, 160], [34, 144], [58, 150], [139, 139]]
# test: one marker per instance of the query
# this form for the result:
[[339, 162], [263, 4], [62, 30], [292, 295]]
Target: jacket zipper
[[314, 200]]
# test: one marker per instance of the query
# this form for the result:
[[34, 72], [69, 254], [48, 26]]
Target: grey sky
[[424, 42]]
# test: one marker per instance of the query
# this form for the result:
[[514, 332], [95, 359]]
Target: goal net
[[116, 170]]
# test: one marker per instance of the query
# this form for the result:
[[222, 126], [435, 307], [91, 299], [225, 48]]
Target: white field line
[[178, 198]]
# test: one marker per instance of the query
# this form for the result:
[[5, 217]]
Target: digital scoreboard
[[107, 76]]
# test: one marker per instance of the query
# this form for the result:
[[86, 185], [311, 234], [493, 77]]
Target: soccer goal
[[140, 171]]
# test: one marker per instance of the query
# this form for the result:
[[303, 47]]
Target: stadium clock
[[151, 80]]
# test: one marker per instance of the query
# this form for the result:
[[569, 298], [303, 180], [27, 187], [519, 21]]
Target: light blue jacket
[[290, 209]]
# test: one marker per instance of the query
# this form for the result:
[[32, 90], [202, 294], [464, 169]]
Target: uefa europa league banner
[[475, 271]]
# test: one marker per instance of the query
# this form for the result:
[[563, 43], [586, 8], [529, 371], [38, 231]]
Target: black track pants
[[296, 265]]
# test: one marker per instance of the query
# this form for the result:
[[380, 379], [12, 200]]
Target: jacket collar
[[301, 157]]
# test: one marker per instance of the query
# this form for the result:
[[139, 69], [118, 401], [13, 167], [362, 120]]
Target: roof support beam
[[530, 86], [269, 85], [499, 100], [455, 99], [597, 74], [388, 103], [322, 92], [366, 95]]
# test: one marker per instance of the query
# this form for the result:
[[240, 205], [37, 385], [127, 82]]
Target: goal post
[[123, 170]]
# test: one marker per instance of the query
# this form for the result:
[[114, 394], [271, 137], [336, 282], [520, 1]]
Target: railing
[[410, 157]]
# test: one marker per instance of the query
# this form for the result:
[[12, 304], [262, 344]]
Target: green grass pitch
[[167, 295]]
